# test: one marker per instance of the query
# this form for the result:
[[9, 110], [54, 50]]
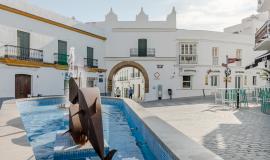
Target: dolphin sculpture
[[91, 120], [73, 90], [75, 126]]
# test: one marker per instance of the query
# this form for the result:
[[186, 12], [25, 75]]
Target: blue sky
[[191, 14]]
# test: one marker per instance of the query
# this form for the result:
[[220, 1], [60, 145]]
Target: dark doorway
[[22, 85]]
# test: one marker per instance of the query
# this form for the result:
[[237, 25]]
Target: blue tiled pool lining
[[153, 136]]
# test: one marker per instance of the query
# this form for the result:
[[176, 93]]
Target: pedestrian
[[118, 92], [130, 92]]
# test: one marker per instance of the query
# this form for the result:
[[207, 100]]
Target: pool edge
[[175, 142]]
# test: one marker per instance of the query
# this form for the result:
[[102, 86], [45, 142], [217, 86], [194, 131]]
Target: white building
[[188, 62], [130, 77]]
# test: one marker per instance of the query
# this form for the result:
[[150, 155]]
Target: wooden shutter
[[142, 47]]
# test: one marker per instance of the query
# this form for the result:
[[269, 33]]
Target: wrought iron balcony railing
[[60, 58], [89, 62], [21, 53], [188, 59], [263, 33], [135, 52]]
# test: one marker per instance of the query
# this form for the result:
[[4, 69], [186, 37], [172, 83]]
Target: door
[[62, 52], [142, 47], [22, 85], [23, 43], [90, 57], [238, 82]]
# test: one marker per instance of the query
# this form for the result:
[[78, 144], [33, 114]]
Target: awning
[[251, 66], [263, 57], [259, 59]]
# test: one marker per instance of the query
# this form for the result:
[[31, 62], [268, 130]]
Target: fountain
[[85, 119]]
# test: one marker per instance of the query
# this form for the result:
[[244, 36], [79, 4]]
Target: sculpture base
[[65, 148]]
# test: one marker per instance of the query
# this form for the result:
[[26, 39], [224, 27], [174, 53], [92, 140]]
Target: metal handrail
[[150, 52], [89, 62], [61, 58], [21, 53], [263, 33], [188, 59]]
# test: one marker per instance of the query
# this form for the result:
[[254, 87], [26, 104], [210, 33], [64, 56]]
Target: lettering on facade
[[241, 72], [190, 70], [159, 66]]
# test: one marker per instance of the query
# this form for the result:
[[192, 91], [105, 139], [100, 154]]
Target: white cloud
[[214, 14]]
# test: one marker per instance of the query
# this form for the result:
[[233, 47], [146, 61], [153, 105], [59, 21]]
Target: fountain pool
[[42, 119]]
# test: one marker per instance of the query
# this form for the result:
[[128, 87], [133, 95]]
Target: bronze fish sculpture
[[75, 127], [85, 119], [91, 120], [73, 90]]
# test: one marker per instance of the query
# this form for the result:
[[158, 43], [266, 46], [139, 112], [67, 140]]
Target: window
[[186, 81], [188, 53], [239, 56], [214, 81], [254, 80], [188, 48], [100, 79], [142, 47], [90, 82], [215, 55]]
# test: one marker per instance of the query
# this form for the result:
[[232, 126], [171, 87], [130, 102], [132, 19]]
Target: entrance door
[[22, 85]]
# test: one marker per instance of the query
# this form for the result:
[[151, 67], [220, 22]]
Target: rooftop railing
[[263, 33], [135, 52], [89, 62], [21, 53]]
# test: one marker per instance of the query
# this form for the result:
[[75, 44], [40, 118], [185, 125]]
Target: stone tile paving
[[2, 100], [233, 134]]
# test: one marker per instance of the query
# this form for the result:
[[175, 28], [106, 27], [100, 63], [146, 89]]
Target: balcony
[[91, 63], [263, 5], [21, 53], [262, 37], [135, 52], [188, 59], [61, 58]]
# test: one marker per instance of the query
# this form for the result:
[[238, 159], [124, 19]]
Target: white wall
[[45, 81]]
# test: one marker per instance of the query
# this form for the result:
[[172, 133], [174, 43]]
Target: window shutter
[[142, 47]]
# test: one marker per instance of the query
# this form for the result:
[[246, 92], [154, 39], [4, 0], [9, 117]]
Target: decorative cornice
[[48, 21]]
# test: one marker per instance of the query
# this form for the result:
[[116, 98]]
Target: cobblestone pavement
[[233, 134]]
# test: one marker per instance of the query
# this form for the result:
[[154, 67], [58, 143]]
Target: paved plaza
[[232, 134]]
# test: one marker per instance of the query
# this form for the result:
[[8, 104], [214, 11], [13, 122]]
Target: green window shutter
[[90, 56], [62, 52], [23, 43], [142, 47]]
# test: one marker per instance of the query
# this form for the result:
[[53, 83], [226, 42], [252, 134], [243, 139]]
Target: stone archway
[[124, 64]]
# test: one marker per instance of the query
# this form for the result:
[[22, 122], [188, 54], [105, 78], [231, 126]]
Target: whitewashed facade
[[192, 71]]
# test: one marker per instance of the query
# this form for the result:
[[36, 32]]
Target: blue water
[[43, 121]]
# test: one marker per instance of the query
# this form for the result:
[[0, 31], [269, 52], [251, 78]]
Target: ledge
[[178, 144]]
